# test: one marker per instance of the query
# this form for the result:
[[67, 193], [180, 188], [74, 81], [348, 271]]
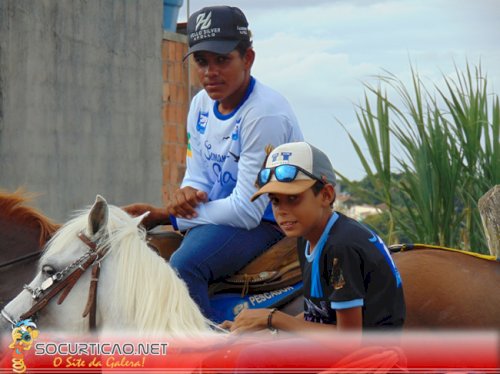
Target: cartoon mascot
[[23, 335]]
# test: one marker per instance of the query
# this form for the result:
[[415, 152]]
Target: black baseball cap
[[216, 29]]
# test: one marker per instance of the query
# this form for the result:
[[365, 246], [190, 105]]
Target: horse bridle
[[65, 279]]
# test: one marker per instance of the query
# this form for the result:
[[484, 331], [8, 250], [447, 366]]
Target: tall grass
[[450, 155], [375, 129]]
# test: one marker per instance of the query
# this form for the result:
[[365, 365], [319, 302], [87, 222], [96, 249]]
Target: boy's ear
[[328, 194]]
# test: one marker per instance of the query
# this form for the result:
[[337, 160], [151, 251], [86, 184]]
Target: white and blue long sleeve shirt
[[226, 151]]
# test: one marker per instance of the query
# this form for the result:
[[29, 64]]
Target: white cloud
[[319, 53]]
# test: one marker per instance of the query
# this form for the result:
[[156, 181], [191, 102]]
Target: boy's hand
[[226, 325], [184, 201], [249, 320]]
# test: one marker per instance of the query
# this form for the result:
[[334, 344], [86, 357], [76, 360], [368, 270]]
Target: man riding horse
[[229, 125]]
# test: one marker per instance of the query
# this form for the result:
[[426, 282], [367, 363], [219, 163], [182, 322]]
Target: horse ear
[[98, 217], [138, 220]]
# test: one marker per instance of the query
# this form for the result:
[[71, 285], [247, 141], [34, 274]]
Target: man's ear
[[249, 58]]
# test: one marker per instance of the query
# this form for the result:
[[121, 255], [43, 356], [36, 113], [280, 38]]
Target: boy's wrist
[[270, 326]]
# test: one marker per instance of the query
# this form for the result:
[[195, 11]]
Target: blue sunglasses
[[282, 173]]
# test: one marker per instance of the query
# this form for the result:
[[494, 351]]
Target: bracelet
[[270, 321]]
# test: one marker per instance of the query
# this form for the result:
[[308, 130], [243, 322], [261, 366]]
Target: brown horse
[[443, 288], [23, 232], [449, 288]]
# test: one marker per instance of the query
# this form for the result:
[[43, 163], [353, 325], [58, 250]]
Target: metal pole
[[188, 59]]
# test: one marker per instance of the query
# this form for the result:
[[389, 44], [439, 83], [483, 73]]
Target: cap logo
[[203, 21], [285, 156]]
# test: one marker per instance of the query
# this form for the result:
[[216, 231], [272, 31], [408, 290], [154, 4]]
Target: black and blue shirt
[[351, 267]]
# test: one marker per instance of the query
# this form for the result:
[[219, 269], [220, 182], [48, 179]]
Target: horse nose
[[5, 327]]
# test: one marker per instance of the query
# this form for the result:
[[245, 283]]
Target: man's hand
[[184, 201], [157, 216]]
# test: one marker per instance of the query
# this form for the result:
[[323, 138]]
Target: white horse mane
[[147, 294]]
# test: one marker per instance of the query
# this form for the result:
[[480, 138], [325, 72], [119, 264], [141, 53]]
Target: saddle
[[276, 268]]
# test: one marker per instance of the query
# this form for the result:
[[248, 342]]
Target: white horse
[[137, 290]]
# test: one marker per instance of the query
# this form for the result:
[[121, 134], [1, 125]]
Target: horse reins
[[29, 256], [62, 282]]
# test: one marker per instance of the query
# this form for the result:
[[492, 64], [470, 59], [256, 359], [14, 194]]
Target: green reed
[[450, 155]]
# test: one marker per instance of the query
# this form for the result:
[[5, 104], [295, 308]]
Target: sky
[[320, 54]]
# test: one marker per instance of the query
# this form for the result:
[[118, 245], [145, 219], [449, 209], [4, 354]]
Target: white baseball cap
[[312, 165]]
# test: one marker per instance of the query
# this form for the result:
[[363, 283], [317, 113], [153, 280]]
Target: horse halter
[[65, 279]]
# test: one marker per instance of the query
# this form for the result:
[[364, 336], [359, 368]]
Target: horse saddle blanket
[[276, 268]]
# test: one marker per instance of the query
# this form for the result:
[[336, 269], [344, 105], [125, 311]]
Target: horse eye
[[48, 270]]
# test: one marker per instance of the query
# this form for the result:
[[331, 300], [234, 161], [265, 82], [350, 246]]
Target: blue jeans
[[212, 252]]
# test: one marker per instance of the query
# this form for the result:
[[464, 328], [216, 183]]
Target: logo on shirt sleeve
[[337, 276]]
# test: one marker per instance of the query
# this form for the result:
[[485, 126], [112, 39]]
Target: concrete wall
[[81, 101]]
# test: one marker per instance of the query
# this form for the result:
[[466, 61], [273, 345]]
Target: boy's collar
[[322, 239]]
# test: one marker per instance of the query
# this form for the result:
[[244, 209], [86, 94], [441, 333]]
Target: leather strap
[[66, 285], [84, 238], [91, 306], [70, 280], [78, 273]]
